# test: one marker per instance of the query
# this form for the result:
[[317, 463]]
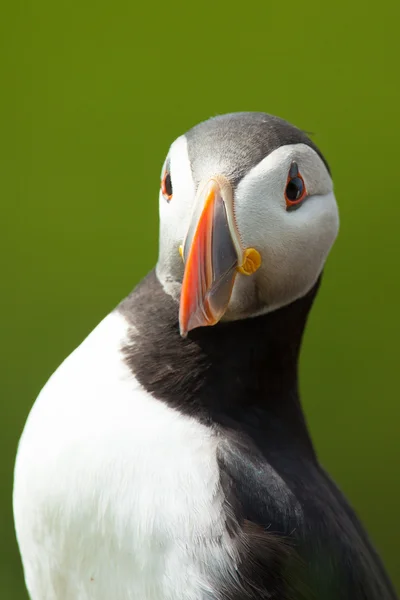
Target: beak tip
[[183, 328]]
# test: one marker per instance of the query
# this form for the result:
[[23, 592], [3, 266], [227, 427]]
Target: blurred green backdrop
[[92, 94]]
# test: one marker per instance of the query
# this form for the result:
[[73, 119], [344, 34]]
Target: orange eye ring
[[166, 186], [295, 190]]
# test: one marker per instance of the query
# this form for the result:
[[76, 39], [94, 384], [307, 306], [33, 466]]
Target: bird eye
[[166, 186], [295, 191]]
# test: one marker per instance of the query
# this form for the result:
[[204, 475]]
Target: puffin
[[168, 457]]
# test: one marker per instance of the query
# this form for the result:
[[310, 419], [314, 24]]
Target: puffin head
[[247, 218]]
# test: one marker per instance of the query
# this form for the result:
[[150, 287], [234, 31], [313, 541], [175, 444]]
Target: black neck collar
[[243, 372]]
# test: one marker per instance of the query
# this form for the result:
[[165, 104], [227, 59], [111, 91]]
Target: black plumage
[[299, 536]]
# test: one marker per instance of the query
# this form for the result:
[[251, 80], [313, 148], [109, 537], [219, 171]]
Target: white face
[[175, 217], [293, 242]]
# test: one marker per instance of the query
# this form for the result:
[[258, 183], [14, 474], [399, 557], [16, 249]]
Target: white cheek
[[293, 244], [260, 209], [175, 215], [305, 237]]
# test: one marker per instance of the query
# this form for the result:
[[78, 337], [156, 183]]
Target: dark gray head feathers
[[239, 141]]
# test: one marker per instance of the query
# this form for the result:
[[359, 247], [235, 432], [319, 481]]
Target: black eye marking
[[166, 186], [294, 170], [295, 190]]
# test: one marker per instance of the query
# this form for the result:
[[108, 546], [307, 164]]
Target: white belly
[[116, 495]]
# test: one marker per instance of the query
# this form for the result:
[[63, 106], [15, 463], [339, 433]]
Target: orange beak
[[212, 253]]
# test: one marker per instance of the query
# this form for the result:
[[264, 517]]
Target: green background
[[91, 96]]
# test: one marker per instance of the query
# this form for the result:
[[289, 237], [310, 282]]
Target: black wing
[[301, 539]]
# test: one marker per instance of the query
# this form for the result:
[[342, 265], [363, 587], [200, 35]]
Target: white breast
[[116, 495]]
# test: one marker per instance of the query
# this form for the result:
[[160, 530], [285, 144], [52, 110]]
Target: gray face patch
[[235, 143]]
